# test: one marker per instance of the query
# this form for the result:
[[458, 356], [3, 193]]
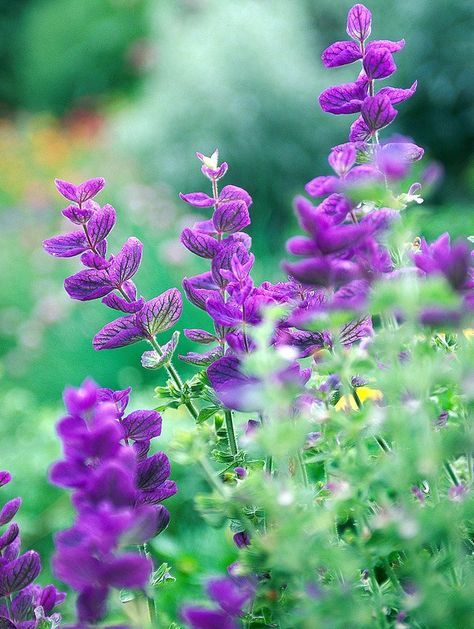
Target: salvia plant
[[332, 410]]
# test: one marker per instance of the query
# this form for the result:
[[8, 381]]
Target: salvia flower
[[117, 493], [23, 604], [109, 277]]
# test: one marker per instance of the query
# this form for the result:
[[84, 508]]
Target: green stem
[[380, 440], [302, 467], [229, 424], [451, 473], [149, 600]]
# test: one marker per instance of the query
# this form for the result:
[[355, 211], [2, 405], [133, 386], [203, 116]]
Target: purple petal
[[162, 492], [344, 99], [200, 336], [91, 605], [379, 63], [301, 246], [198, 199], [66, 245], [391, 46], [127, 262], [153, 471], [231, 217], [223, 260], [321, 186], [130, 570], [398, 95], [341, 53], [342, 158], [5, 478], [116, 302], [336, 206], [118, 333], [215, 173], [377, 112], [88, 189], [203, 618], [359, 22], [66, 189], [223, 313], [80, 215], [88, 284], [199, 243], [19, 573], [234, 193], [101, 224], [336, 239], [9, 510], [228, 595], [234, 388], [204, 359], [142, 425], [161, 313], [359, 132], [363, 175], [9, 536]]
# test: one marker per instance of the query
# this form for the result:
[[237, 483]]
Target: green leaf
[[206, 413]]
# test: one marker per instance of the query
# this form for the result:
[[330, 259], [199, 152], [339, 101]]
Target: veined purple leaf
[[160, 313], [207, 227], [94, 260], [223, 313], [379, 63], [153, 471], [320, 186], [359, 22], [200, 336], [197, 296], [355, 331], [116, 302], [359, 132], [9, 536], [341, 53], [239, 237], [234, 193], [153, 360], [377, 112], [127, 262], [155, 496], [397, 94], [66, 245], [199, 243], [66, 189], [202, 359], [344, 99], [88, 284], [20, 573], [9, 510], [198, 199], [118, 333], [392, 46], [101, 224], [142, 425], [5, 478], [80, 215], [231, 217]]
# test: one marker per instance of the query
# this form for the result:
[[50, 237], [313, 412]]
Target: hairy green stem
[[229, 424]]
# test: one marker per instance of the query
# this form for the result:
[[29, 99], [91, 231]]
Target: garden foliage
[[333, 410]]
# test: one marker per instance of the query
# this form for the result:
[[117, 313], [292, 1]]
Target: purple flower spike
[[379, 63], [341, 53], [377, 112], [359, 22], [81, 193]]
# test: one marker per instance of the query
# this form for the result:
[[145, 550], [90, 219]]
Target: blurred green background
[[129, 90]]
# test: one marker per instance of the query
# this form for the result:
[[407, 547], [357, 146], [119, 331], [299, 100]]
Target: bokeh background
[[129, 90]]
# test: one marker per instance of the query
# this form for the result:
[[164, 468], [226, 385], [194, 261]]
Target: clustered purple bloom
[[23, 605], [231, 594], [109, 278], [117, 493]]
